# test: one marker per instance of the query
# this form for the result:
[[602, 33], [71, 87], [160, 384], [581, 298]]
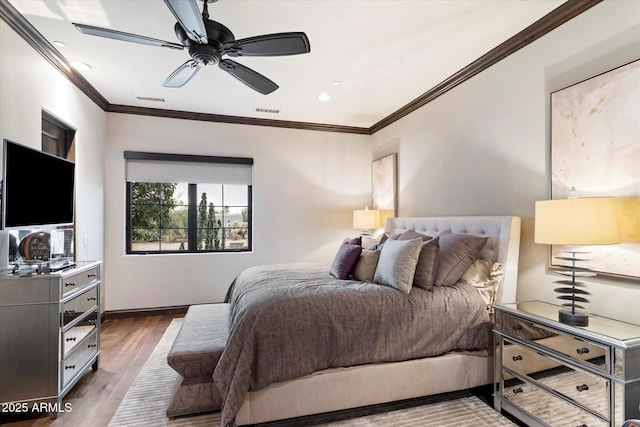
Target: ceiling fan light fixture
[[208, 42], [324, 97]]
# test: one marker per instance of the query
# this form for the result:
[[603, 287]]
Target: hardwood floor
[[125, 346]]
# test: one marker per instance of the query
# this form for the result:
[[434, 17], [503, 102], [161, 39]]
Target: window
[[57, 137], [186, 203]]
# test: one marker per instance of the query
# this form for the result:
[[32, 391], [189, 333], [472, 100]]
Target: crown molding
[[544, 25], [20, 25], [220, 118]]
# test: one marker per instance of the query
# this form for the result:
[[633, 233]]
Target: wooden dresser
[[49, 335], [551, 374]]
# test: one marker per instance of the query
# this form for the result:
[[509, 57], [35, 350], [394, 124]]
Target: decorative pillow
[[427, 261], [353, 240], [368, 241], [345, 260], [457, 253], [486, 277], [366, 266], [397, 263], [377, 244]]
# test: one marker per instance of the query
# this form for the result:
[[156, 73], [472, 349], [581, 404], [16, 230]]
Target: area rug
[[145, 403]]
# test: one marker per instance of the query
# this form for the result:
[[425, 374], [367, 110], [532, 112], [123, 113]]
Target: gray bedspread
[[288, 321]]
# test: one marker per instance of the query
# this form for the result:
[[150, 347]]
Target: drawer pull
[[70, 339], [517, 390], [92, 298], [516, 358], [582, 425], [94, 275], [92, 345], [71, 311], [70, 367], [91, 321], [69, 284], [583, 350], [582, 387], [517, 327]]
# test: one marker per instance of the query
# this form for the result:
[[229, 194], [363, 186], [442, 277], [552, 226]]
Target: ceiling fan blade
[[127, 37], [279, 44], [182, 74], [249, 77], [190, 18]]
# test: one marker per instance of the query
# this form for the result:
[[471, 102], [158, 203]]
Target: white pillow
[[486, 277], [397, 263]]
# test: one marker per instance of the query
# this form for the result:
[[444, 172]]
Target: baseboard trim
[[143, 312]]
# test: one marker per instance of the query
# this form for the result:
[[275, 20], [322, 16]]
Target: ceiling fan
[[208, 41]]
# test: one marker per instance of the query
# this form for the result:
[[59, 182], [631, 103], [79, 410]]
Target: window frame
[[192, 203]]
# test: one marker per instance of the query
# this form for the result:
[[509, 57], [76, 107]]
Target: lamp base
[[574, 319]]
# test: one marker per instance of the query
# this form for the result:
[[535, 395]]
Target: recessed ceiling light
[[324, 97], [59, 43], [80, 66], [336, 82]]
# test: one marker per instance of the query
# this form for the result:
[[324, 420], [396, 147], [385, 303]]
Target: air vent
[[266, 110], [149, 98]]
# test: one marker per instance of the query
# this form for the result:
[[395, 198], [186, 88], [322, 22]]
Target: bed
[[284, 389]]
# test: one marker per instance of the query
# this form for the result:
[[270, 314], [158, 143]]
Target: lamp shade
[[366, 219], [578, 221]]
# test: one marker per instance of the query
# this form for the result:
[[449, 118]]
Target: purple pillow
[[345, 261]]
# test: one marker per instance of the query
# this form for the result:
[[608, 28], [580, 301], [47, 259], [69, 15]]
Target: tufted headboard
[[502, 246]]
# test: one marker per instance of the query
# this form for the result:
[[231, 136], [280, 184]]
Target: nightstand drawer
[[579, 349], [79, 357], [547, 407], [80, 280], [589, 390]]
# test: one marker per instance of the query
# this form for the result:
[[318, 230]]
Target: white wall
[[306, 185], [483, 147], [28, 85]]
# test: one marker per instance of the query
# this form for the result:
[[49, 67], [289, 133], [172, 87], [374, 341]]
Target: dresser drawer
[[79, 280], [79, 305], [74, 336], [79, 357], [588, 389], [594, 354], [547, 407]]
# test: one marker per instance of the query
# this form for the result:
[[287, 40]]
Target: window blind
[[159, 167]]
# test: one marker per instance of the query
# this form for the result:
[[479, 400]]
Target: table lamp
[[366, 220], [576, 221]]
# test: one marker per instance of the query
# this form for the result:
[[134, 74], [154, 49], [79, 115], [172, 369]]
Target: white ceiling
[[384, 53]]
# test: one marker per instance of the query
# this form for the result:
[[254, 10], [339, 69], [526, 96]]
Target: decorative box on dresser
[[49, 335], [548, 373]]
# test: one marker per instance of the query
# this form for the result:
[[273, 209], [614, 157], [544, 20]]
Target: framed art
[[383, 186], [595, 148]]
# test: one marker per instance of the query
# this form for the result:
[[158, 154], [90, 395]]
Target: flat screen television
[[37, 188]]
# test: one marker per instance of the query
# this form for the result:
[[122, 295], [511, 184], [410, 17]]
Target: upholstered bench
[[194, 355]]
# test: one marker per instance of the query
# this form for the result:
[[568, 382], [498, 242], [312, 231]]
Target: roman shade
[[160, 167]]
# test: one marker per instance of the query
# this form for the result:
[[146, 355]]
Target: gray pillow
[[366, 266], [397, 263], [457, 253], [427, 266], [345, 260]]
